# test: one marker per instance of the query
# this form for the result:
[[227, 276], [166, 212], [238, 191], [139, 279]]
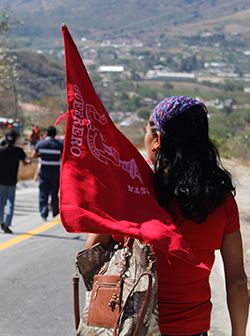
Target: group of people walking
[[49, 150], [191, 185]]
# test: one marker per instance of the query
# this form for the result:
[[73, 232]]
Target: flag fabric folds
[[106, 185]]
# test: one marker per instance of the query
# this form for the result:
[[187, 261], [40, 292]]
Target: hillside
[[192, 47], [40, 75], [139, 17], [40, 79]]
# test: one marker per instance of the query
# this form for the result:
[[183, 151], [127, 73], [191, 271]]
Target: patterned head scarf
[[171, 107]]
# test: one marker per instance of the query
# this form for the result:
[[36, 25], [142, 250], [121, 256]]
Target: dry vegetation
[[237, 22]]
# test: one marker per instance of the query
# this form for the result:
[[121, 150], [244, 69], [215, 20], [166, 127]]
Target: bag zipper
[[105, 284]]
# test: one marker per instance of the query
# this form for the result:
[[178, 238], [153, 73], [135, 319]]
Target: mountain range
[[140, 18]]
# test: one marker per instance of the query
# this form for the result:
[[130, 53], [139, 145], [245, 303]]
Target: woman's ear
[[156, 142]]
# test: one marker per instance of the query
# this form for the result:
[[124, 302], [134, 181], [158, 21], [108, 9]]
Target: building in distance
[[170, 76], [111, 68]]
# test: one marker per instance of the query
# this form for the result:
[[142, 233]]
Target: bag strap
[[143, 311], [76, 299]]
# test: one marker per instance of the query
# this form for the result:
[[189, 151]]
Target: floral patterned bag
[[135, 300]]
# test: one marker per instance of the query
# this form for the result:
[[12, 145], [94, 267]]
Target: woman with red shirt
[[198, 193]]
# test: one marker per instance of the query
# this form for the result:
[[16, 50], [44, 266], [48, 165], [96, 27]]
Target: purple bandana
[[172, 107]]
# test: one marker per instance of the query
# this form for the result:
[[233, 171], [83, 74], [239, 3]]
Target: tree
[[143, 113], [8, 72]]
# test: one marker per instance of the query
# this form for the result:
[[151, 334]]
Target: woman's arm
[[94, 238], [236, 282]]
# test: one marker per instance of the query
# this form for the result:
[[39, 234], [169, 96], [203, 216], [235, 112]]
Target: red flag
[[106, 185]]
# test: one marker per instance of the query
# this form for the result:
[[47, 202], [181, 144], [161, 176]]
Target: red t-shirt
[[184, 291]]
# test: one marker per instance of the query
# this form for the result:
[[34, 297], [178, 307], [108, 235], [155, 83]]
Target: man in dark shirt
[[10, 156], [49, 150]]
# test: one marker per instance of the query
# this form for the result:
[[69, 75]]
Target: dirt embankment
[[241, 176]]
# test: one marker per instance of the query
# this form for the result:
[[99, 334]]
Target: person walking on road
[[10, 156], [49, 150], [34, 136], [195, 189]]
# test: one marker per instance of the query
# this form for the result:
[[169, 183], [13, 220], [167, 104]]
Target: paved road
[[36, 271]]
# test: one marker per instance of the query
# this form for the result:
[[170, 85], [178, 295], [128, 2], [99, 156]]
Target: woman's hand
[[94, 238]]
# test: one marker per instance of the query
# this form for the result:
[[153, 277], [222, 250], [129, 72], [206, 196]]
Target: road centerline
[[29, 234]]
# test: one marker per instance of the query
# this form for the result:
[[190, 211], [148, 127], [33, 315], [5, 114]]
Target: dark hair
[[188, 167], [10, 137], [51, 131]]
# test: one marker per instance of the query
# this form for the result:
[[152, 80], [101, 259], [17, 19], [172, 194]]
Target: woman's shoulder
[[230, 201], [232, 213]]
